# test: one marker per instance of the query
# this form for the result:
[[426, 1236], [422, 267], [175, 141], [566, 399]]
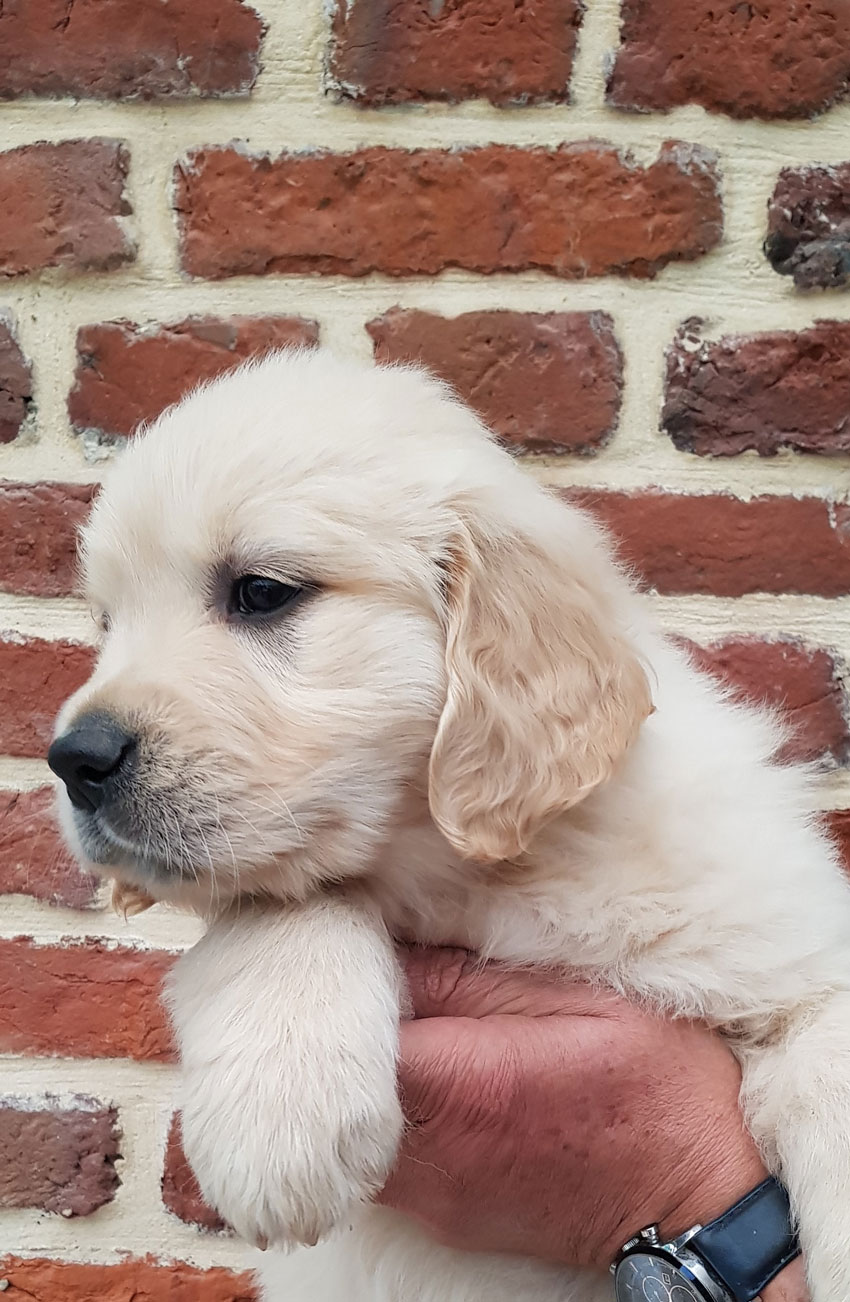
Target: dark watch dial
[[644, 1277]]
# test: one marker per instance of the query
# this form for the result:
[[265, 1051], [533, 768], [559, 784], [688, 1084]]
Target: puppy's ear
[[545, 692]]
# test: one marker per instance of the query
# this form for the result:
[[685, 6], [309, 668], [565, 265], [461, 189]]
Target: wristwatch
[[729, 1260]]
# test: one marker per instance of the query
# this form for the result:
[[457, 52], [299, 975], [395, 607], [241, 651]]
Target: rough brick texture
[[805, 684], [390, 51], [15, 384], [180, 1190], [38, 536], [128, 373], [548, 382], [122, 49], [62, 206], [41, 1280], [766, 58], [580, 210], [36, 678], [837, 823], [760, 392], [720, 546], [58, 1158], [808, 226], [83, 1000], [33, 858]]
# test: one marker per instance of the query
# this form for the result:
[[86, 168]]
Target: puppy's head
[[323, 590]]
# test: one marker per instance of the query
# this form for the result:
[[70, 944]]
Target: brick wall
[[642, 317]]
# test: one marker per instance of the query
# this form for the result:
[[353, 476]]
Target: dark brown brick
[[16, 400], [547, 382], [38, 536], [33, 859], [579, 210], [722, 546], [837, 823], [36, 678], [38, 1279], [61, 206], [58, 1158], [766, 58], [127, 373], [392, 51], [808, 226], [120, 49], [762, 392], [83, 999], [805, 684], [180, 1190]]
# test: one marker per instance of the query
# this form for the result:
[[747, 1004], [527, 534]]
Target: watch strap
[[751, 1243]]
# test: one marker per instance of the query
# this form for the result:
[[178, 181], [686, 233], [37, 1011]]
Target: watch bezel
[[679, 1256]]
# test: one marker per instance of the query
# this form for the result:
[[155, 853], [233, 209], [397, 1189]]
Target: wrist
[[714, 1192]]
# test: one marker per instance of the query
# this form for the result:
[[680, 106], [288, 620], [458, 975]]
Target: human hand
[[554, 1120]]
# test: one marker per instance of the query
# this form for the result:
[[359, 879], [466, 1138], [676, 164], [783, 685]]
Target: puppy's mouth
[[116, 847]]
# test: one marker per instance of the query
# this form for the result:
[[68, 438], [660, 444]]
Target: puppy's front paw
[[283, 1169]]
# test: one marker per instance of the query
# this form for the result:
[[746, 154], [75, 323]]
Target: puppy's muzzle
[[92, 757]]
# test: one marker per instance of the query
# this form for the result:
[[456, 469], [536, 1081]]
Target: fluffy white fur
[[471, 733]]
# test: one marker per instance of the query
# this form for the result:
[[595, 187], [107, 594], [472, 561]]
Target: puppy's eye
[[101, 618], [252, 594]]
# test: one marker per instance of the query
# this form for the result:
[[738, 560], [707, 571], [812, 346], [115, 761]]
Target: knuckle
[[445, 974]]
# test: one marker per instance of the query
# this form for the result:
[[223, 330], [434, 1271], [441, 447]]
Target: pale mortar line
[[48, 924], [285, 115], [819, 619], [833, 790], [598, 37], [46, 617], [762, 301], [23, 774], [116, 1230]]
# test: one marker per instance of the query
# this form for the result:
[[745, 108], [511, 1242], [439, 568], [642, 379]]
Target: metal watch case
[[693, 1283]]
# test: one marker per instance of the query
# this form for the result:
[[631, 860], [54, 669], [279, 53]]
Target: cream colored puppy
[[361, 677]]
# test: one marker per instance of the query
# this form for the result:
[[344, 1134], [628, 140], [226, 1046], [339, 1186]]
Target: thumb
[[442, 1065], [455, 983]]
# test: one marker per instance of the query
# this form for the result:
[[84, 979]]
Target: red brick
[[804, 683], [119, 49], [808, 226], [36, 678], [578, 210], [38, 536], [837, 823], [391, 51], [40, 1280], [546, 382], [60, 1159], [33, 858], [762, 392], [128, 373], [15, 384], [83, 999], [180, 1190], [62, 205], [722, 546], [768, 58]]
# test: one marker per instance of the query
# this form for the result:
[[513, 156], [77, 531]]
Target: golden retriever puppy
[[360, 677]]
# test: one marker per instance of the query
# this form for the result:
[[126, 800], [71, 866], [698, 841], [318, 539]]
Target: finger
[[455, 983]]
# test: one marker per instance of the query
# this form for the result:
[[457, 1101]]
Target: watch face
[[644, 1277]]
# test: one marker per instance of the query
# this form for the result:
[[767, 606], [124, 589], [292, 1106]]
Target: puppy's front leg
[[287, 1023]]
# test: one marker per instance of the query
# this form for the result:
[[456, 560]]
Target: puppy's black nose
[[85, 757]]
